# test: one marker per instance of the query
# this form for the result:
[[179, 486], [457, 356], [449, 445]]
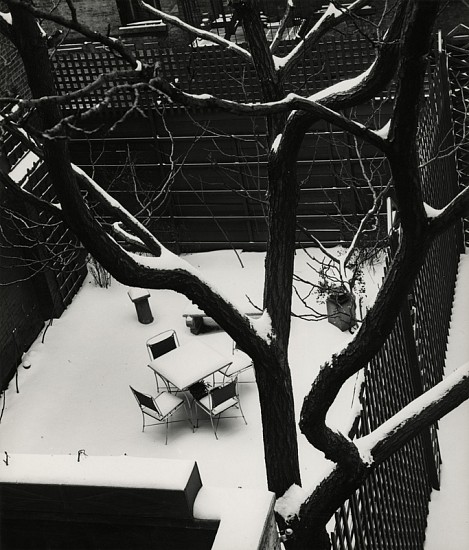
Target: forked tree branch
[[375, 448], [414, 244], [199, 33], [331, 19], [290, 103]]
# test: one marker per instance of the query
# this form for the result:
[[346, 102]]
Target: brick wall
[[97, 15], [12, 76], [104, 15]]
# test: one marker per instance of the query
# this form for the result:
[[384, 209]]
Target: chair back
[[145, 401], [162, 343], [223, 393]]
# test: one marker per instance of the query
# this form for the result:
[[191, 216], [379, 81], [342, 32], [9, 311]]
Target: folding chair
[[220, 399], [241, 362], [160, 408], [157, 346]]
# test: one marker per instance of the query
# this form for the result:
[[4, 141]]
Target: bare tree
[[401, 53]]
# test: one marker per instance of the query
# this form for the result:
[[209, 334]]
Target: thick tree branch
[[403, 156], [167, 271], [358, 90], [411, 254], [374, 449], [450, 214], [282, 26], [111, 206], [290, 102], [271, 86], [421, 413], [114, 208], [130, 239]]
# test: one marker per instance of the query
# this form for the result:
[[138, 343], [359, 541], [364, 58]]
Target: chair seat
[[205, 402], [166, 402], [241, 361]]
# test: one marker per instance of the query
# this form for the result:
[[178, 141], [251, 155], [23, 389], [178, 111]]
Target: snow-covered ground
[[448, 520], [76, 394]]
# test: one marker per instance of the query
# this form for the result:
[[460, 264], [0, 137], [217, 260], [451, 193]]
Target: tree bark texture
[[270, 85]]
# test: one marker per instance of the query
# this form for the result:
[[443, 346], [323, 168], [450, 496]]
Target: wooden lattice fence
[[42, 264], [389, 511], [56, 250], [207, 69], [216, 163]]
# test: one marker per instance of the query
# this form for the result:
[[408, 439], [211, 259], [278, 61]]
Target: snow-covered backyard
[[76, 393]]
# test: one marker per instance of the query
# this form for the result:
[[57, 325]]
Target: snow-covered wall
[[116, 489]]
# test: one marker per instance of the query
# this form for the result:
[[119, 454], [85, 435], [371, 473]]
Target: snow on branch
[[344, 86], [163, 259], [199, 33], [430, 211], [290, 103], [441, 219], [330, 19], [420, 413], [6, 16], [144, 236], [119, 231]]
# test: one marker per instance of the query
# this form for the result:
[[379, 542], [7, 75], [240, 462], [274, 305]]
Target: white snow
[[276, 143], [263, 326], [103, 471], [342, 86], [6, 16], [242, 514], [136, 293], [332, 10], [23, 166], [448, 520], [430, 211], [76, 393], [288, 505], [280, 62], [78, 383], [202, 96], [384, 131]]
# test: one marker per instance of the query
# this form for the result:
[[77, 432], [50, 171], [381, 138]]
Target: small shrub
[[100, 276]]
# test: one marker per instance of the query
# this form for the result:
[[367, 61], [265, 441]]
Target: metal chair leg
[[213, 427]]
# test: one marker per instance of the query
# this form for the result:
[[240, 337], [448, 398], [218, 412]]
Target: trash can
[[140, 298]]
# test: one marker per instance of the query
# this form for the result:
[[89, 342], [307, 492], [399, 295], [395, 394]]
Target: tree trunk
[[278, 424], [274, 379]]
